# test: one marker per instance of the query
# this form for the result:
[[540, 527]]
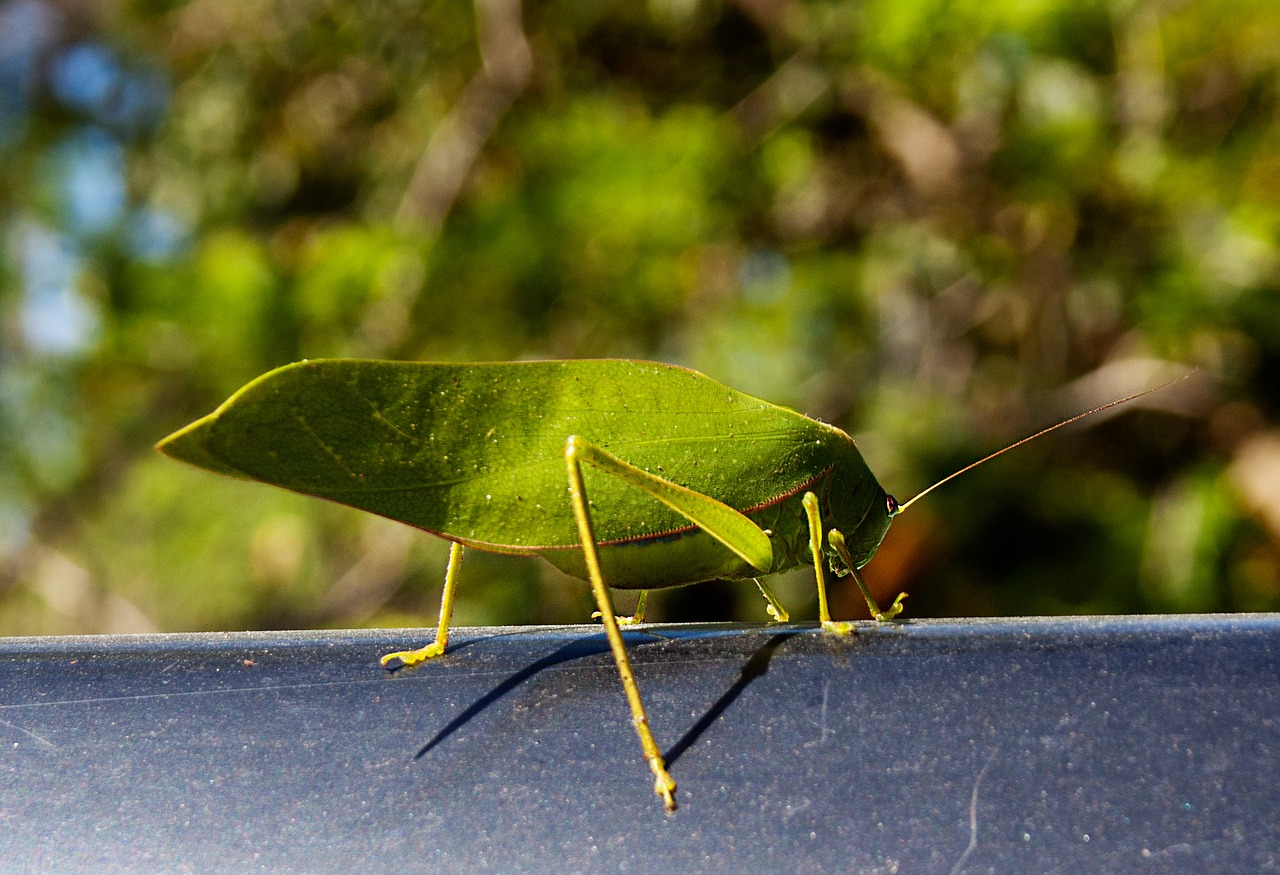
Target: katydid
[[685, 480]]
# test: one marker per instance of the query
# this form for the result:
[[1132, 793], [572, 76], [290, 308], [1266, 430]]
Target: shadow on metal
[[756, 666], [573, 650]]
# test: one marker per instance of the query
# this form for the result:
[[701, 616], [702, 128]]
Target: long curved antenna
[[1044, 431]]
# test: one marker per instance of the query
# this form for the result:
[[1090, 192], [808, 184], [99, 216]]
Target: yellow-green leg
[[810, 502], [663, 785], [837, 541], [773, 606], [435, 648]]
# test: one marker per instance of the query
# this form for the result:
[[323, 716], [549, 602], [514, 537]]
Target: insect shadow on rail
[[756, 665], [592, 646]]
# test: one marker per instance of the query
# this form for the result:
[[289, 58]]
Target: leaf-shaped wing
[[475, 451]]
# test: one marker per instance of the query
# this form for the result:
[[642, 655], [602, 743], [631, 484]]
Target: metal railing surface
[[1033, 745]]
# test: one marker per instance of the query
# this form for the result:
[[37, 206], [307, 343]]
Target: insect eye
[[891, 504]]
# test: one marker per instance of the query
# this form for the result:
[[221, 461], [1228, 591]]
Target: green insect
[[685, 480]]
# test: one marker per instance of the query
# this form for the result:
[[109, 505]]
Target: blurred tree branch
[[506, 65]]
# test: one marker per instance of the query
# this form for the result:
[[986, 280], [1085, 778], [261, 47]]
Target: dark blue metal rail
[[1061, 745]]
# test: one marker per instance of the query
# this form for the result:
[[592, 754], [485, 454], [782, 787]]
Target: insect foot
[[636, 618], [663, 785], [410, 658]]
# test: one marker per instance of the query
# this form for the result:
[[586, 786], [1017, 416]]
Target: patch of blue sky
[[85, 76], [55, 318], [140, 102], [91, 181], [30, 28], [89, 77], [27, 29], [155, 235]]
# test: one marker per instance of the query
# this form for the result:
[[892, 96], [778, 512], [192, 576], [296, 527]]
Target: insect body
[[684, 480]]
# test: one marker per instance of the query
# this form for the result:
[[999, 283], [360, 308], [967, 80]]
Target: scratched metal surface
[[1009, 746]]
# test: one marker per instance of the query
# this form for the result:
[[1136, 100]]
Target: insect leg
[[637, 616], [837, 541], [731, 528], [774, 607], [663, 785], [435, 648], [810, 502]]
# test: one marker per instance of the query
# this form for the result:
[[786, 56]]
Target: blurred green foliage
[[939, 225]]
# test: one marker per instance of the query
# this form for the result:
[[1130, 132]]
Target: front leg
[[810, 502], [837, 541]]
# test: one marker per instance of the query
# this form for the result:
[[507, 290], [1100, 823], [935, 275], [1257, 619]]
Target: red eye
[[891, 504]]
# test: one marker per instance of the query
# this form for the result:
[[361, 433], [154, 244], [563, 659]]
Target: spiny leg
[[837, 541], [663, 785], [435, 648], [810, 502], [637, 616], [773, 606]]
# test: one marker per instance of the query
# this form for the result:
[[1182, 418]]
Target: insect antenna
[[899, 508]]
